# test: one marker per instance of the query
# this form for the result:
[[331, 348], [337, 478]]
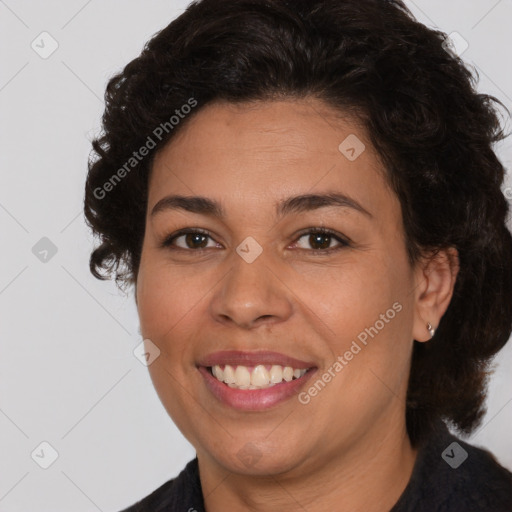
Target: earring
[[431, 330]]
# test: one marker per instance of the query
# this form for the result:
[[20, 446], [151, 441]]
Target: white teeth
[[242, 376], [229, 374], [288, 373], [218, 372], [259, 378], [276, 374]]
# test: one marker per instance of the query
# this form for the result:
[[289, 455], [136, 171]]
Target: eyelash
[[167, 243]]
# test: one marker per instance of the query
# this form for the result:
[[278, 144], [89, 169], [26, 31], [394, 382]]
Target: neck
[[369, 476]]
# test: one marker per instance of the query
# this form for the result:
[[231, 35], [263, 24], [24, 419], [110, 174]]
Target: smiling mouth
[[255, 377]]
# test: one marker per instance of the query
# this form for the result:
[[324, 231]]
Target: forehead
[[264, 151]]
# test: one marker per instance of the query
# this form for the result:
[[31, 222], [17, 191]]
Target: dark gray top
[[449, 476]]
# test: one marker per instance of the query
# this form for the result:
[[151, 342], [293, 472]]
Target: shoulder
[[451, 475], [482, 482], [180, 493]]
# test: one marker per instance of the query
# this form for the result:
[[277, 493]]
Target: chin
[[246, 457]]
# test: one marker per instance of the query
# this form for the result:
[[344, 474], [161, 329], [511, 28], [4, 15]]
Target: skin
[[348, 447]]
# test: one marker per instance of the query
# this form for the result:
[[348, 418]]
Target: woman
[[305, 197]]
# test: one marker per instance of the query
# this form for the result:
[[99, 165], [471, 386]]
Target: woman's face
[[261, 291]]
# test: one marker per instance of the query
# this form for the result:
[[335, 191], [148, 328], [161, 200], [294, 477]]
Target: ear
[[435, 277]]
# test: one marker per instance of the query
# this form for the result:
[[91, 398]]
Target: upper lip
[[236, 357]]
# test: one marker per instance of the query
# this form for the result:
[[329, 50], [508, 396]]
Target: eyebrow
[[295, 204]]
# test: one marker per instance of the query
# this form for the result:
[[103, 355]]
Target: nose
[[251, 294]]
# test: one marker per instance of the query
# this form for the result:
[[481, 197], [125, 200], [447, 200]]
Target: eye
[[188, 239], [197, 239], [320, 240]]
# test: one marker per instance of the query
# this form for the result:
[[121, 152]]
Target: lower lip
[[253, 399]]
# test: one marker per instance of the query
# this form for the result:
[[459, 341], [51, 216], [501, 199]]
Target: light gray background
[[68, 375]]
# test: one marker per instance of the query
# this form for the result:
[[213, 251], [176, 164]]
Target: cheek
[[352, 295], [166, 301], [369, 317], [368, 309], [164, 296]]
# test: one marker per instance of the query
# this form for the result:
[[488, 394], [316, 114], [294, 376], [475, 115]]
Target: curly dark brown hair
[[419, 105]]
